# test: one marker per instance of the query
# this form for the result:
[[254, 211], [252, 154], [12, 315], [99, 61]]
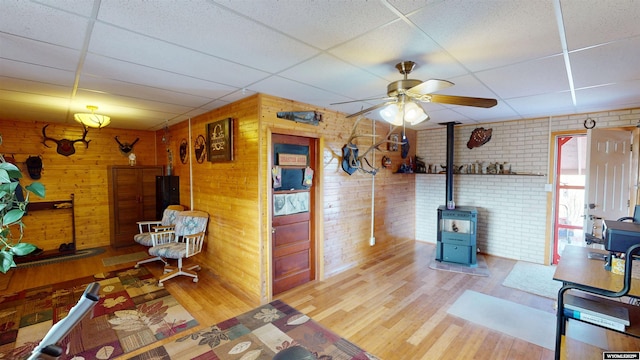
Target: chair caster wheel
[[137, 266], [195, 279], [160, 284], [198, 268]]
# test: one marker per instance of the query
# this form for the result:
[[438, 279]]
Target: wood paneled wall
[[236, 194], [83, 174]]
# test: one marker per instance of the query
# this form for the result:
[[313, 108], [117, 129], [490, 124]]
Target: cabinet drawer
[[458, 239], [456, 253]]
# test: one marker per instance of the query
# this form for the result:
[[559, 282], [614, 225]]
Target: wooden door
[[133, 200], [608, 189], [293, 243]]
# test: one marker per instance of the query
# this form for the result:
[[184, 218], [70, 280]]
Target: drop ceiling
[[149, 64]]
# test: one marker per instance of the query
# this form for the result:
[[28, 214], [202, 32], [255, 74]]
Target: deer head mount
[[126, 147], [352, 160], [65, 146]]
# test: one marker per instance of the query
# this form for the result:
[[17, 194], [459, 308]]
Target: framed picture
[[393, 145], [290, 203], [199, 147], [183, 151], [220, 140]]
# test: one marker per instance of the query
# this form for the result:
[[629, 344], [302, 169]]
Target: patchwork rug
[[480, 270], [132, 312], [259, 334]]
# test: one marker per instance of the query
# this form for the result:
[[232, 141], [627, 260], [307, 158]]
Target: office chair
[[147, 227]]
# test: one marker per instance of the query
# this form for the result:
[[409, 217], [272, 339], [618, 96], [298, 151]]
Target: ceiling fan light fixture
[[92, 119], [413, 113], [391, 114]]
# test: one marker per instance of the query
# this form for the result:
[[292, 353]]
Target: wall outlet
[[372, 241]]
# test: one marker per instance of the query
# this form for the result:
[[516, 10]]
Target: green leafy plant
[[12, 209]]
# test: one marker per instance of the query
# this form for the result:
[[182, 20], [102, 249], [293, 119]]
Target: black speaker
[[167, 193]]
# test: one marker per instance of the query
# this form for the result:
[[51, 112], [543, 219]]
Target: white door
[[608, 187]]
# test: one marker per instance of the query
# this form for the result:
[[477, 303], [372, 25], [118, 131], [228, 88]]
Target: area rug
[[132, 312], [523, 322], [533, 278], [79, 254], [123, 259], [259, 334], [481, 270]]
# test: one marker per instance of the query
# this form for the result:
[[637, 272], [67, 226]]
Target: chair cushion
[[143, 239], [169, 251], [189, 225], [169, 217]]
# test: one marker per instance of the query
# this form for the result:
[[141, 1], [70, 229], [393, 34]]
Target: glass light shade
[[413, 113], [390, 114], [92, 119]]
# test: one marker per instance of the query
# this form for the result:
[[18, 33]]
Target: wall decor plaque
[[220, 140]]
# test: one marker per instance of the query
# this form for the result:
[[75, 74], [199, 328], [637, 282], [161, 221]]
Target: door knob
[[592, 206]]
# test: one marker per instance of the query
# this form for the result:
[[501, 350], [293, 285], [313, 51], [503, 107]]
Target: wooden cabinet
[[132, 191]]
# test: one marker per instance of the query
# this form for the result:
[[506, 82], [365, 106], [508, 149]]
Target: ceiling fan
[[406, 92]]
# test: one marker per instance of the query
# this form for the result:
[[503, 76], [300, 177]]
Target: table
[[578, 272]]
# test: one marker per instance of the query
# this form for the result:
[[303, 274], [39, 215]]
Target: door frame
[[317, 208], [551, 195]]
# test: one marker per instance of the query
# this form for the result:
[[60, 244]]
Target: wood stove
[[457, 230], [457, 225]]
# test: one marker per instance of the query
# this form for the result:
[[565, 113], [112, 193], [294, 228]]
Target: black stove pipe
[[449, 171]]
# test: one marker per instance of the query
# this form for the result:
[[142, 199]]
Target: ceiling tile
[[325, 72], [210, 29], [611, 63], [534, 77], [486, 34], [591, 22], [36, 74], [31, 20], [619, 95], [126, 46], [104, 67], [380, 50], [542, 105], [331, 24], [38, 53]]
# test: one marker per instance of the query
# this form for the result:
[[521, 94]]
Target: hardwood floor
[[394, 307]]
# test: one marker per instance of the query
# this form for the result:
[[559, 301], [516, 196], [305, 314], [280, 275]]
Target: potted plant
[[13, 204]]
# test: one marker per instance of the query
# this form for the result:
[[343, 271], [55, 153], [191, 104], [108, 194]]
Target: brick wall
[[512, 209]]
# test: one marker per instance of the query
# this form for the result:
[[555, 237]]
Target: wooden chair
[[146, 228], [184, 241]]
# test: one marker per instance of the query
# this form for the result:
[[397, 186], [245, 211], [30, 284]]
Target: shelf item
[[580, 305], [132, 191]]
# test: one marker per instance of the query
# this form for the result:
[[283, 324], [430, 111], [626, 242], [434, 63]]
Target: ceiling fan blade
[[370, 99], [463, 100], [370, 109], [429, 86]]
